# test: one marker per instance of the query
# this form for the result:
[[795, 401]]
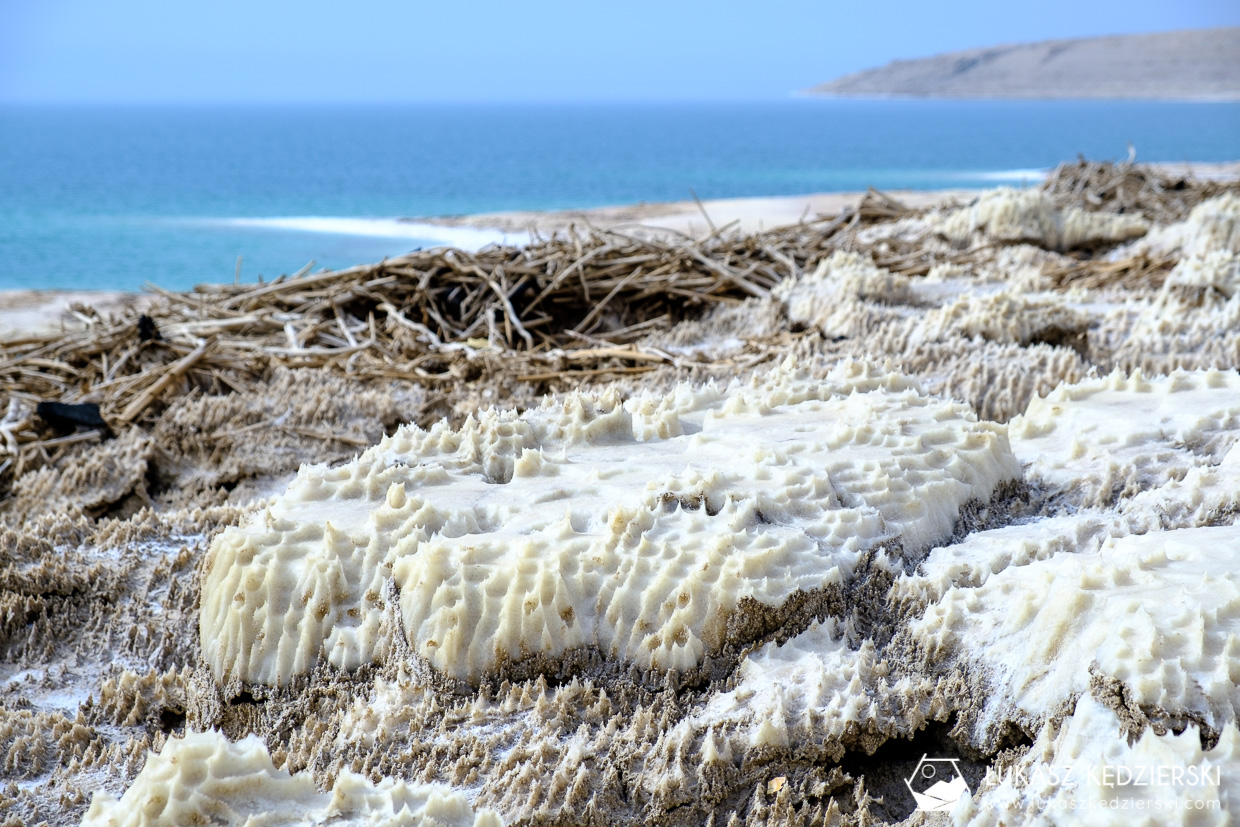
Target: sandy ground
[[34, 312]]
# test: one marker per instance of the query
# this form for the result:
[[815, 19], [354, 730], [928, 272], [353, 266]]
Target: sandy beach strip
[[746, 215]]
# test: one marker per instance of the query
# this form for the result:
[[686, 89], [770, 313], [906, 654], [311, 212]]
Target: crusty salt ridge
[[843, 296], [1219, 269], [1156, 616], [1211, 226], [1072, 774], [203, 778], [638, 528], [1106, 439], [819, 694], [1010, 215]]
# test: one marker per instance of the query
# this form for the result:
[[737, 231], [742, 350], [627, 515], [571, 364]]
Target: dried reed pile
[[1128, 187]]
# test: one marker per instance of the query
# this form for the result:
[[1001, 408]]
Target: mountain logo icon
[[936, 783]]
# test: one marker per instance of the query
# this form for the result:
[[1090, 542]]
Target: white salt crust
[[1111, 438], [838, 297], [819, 688], [633, 527], [203, 778], [1212, 225], [1219, 269], [1085, 772], [983, 554], [1011, 215], [1159, 613], [1004, 317]]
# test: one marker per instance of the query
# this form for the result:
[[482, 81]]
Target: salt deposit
[[945, 490], [1156, 614], [1087, 771], [820, 693], [202, 778], [633, 528], [840, 296], [1105, 439], [1010, 215]]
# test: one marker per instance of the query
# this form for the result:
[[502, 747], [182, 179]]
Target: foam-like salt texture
[[1213, 225], [1219, 269], [203, 778], [1085, 772], [1011, 215], [1106, 439], [1158, 613], [1001, 317], [817, 691], [983, 554], [839, 297], [633, 528]]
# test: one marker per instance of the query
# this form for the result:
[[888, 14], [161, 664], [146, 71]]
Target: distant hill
[[1201, 64]]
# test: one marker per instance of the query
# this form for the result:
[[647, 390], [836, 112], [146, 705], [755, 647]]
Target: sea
[[114, 198]]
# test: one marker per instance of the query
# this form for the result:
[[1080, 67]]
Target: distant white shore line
[[448, 232], [431, 235]]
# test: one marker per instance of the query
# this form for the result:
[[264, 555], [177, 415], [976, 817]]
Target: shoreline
[[28, 312], [748, 215]]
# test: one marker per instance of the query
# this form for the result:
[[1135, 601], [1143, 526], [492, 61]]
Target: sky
[[389, 51]]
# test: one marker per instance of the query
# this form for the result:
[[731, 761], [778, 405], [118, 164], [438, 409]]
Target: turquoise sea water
[[113, 198]]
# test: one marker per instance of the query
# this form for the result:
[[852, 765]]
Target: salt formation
[[204, 778], [1110, 438], [1156, 614], [1211, 226], [1219, 269], [1085, 771], [636, 529], [1009, 318], [969, 563], [839, 297], [820, 693], [864, 585], [1013, 216]]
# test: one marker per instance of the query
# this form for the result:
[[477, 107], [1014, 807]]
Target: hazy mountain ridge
[[1201, 64]]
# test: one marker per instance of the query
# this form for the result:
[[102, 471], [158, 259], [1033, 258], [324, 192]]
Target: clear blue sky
[[369, 51]]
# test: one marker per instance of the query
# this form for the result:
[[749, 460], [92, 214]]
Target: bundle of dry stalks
[[1129, 187], [557, 311]]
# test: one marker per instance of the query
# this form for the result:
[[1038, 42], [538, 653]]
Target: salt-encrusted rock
[[638, 529], [1106, 439], [1084, 771], [1011, 215], [204, 778], [1154, 618]]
